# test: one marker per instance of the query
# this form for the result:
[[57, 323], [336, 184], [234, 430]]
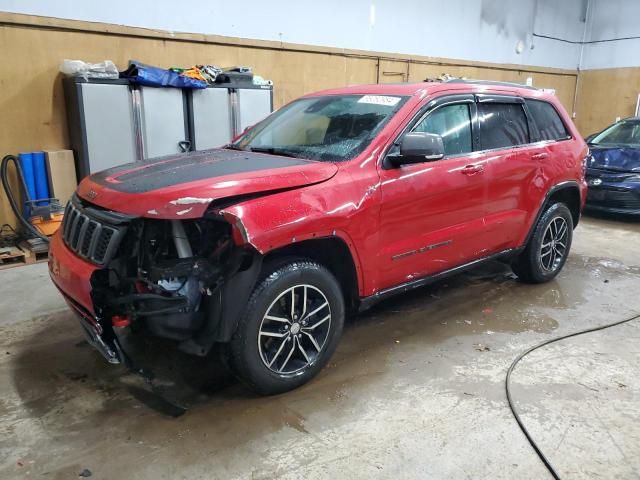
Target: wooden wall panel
[[393, 71], [31, 49], [31, 89], [604, 95]]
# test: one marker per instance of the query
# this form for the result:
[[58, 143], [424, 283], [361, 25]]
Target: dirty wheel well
[[334, 254], [570, 196]]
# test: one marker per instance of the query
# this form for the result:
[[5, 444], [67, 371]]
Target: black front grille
[[103, 244], [90, 234], [623, 199], [88, 238], [614, 198], [609, 176]]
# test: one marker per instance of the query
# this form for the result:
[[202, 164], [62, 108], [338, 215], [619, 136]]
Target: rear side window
[[502, 125], [453, 124], [547, 120]]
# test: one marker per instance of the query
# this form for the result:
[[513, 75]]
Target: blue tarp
[[159, 77]]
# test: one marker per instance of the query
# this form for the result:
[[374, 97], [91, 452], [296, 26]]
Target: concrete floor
[[415, 390]]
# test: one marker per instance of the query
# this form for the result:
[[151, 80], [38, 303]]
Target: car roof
[[423, 89]]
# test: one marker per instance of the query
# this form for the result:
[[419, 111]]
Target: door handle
[[539, 156], [472, 169]]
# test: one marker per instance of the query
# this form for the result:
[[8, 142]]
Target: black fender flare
[[569, 184]]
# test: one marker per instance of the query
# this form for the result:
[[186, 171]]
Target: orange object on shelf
[[194, 73], [48, 227]]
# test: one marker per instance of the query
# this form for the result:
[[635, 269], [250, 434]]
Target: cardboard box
[[61, 170]]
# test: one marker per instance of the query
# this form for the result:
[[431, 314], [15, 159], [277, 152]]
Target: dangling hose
[[12, 201]]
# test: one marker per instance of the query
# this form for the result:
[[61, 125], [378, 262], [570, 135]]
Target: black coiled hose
[[12, 199], [507, 384]]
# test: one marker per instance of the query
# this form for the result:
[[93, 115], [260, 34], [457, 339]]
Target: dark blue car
[[613, 168]]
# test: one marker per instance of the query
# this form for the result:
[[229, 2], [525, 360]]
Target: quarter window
[[547, 120], [502, 125], [453, 124]]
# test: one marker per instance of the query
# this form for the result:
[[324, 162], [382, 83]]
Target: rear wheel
[[548, 248], [290, 327]]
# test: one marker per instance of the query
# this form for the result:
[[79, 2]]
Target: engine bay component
[[169, 277]]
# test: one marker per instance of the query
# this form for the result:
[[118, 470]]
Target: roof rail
[[489, 82]]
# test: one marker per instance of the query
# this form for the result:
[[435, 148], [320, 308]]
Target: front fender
[[321, 211]]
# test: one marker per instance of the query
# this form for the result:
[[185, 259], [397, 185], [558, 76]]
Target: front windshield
[[623, 133], [330, 128]]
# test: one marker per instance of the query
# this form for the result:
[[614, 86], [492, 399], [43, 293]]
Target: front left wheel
[[290, 327]]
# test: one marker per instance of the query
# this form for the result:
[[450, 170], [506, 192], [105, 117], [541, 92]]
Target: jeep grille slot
[[89, 237]]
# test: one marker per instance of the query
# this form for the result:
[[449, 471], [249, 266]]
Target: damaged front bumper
[[194, 300], [94, 335], [104, 342]]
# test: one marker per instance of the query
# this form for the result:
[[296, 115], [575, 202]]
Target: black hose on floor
[[527, 352], [11, 197]]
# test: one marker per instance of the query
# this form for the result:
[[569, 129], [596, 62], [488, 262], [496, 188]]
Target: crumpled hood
[[624, 159], [183, 186]]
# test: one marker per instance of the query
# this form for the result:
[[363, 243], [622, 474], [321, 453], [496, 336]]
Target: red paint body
[[379, 213]]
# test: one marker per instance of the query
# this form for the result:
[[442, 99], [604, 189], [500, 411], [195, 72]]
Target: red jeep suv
[[334, 202]]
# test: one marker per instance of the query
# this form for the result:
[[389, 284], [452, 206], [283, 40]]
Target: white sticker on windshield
[[380, 100]]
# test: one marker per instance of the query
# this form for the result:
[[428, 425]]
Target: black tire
[[535, 264], [251, 351]]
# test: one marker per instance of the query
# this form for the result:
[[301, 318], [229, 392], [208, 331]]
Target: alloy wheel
[[554, 244], [294, 329]]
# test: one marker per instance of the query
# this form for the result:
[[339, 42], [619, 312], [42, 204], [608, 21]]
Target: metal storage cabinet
[[164, 121], [100, 120], [112, 122], [221, 112], [254, 104], [211, 118]]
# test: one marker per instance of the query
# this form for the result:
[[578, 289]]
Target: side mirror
[[418, 147], [590, 137]]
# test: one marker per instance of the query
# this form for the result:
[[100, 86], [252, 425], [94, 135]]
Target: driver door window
[[453, 124]]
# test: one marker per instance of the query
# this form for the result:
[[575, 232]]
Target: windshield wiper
[[273, 151]]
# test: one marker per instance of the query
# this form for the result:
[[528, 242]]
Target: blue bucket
[[41, 180], [26, 165]]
